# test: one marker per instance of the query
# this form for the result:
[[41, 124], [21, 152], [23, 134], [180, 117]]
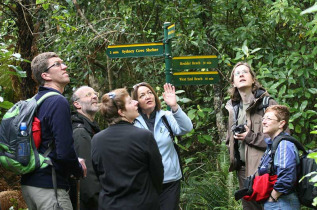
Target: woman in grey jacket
[[151, 118]]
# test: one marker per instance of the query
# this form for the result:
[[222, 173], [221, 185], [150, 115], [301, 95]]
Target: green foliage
[[313, 175], [207, 188], [279, 41], [8, 68]]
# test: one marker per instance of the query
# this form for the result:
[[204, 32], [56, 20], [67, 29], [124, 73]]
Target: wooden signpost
[[172, 64]]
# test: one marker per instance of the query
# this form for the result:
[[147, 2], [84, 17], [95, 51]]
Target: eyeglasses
[[57, 64], [112, 95], [269, 119], [89, 95], [238, 73], [139, 84], [92, 93]]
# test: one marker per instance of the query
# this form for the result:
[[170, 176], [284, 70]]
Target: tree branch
[[86, 20]]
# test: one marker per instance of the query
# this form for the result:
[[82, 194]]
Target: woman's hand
[[169, 96]]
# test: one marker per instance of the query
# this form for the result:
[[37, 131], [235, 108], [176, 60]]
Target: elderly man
[[85, 101]]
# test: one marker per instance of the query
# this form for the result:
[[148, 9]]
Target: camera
[[239, 129]]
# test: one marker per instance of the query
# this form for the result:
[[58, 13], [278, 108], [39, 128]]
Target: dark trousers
[[169, 197]]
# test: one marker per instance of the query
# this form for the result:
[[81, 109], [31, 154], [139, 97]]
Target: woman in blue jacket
[[151, 118], [285, 163]]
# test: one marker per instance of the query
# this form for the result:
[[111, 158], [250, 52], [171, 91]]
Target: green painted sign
[[171, 31], [195, 62], [195, 78], [135, 50]]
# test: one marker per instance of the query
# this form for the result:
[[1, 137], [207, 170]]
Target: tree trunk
[[24, 47]]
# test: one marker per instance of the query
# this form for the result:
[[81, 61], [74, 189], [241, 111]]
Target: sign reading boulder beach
[[195, 62], [135, 50]]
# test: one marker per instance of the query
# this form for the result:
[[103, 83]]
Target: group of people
[[133, 164]]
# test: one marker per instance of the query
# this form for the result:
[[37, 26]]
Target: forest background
[[273, 36]]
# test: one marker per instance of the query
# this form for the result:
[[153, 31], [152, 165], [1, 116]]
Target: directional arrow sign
[[135, 50], [171, 31], [195, 62], [195, 78]]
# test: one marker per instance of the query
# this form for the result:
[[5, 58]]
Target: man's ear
[[46, 76], [77, 105]]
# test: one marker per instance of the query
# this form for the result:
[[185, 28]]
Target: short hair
[[233, 91], [40, 64], [135, 94], [281, 112], [75, 96], [110, 104]]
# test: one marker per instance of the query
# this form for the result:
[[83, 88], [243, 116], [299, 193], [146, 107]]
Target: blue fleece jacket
[[180, 125]]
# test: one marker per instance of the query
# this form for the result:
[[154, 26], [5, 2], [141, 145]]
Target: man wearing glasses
[[56, 129], [85, 101]]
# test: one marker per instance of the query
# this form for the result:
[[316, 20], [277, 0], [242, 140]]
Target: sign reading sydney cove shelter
[[135, 50]]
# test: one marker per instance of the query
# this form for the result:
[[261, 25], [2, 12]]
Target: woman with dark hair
[[152, 118], [285, 163], [125, 158], [246, 142]]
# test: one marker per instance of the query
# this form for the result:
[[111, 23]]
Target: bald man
[[86, 103]]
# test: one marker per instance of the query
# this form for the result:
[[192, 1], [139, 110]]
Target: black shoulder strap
[[275, 144], [167, 125], [288, 138]]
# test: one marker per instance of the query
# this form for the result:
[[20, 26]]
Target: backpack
[[306, 189], [18, 153]]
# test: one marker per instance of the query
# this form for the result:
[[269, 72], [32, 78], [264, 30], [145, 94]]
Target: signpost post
[[168, 55], [171, 63]]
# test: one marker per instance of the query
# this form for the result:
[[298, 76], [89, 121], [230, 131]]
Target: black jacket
[[129, 166], [83, 131]]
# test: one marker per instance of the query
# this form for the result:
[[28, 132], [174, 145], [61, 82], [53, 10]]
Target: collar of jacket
[[259, 94], [158, 116], [80, 121]]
